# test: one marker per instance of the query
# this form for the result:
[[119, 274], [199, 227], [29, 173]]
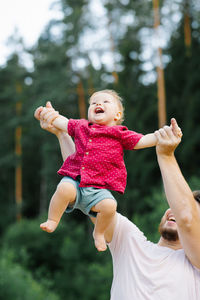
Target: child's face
[[103, 109]]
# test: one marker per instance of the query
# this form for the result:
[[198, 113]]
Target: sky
[[29, 17]]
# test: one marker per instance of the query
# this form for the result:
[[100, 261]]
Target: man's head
[[106, 108], [168, 227]]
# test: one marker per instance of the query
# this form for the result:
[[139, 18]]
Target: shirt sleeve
[[124, 231], [129, 138], [72, 124]]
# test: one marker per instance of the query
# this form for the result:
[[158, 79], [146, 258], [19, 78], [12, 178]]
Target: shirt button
[[93, 128], [83, 168], [86, 153], [90, 140]]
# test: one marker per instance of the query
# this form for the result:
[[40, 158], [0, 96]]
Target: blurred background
[[149, 52]]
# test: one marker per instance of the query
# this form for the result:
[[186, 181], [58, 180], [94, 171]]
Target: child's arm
[[53, 118], [148, 140], [61, 123]]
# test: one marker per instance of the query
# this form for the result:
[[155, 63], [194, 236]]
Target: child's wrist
[[60, 134], [54, 119]]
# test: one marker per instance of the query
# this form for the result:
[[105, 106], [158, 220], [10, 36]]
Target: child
[[97, 165]]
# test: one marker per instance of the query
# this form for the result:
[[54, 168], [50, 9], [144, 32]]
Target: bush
[[17, 283], [66, 261], [156, 205]]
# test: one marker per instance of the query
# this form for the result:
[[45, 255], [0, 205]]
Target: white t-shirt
[[143, 270]]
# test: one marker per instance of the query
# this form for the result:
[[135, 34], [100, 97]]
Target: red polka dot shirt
[[98, 159]]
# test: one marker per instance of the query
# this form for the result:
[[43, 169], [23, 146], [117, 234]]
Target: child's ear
[[118, 116]]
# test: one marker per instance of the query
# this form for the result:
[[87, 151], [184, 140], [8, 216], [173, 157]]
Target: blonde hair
[[119, 102]]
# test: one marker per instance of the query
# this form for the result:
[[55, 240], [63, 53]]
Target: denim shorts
[[86, 197]]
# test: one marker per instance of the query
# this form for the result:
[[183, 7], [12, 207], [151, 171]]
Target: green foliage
[[148, 222], [18, 283], [65, 261], [55, 77], [194, 183], [182, 82], [11, 79]]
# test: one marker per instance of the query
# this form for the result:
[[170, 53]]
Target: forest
[[150, 55]]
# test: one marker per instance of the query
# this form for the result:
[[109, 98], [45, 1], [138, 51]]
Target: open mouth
[[99, 110], [171, 219]]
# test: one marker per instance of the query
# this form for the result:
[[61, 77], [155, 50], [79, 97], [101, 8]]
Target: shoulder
[[124, 131], [129, 138], [118, 130], [124, 224], [74, 126], [124, 231], [78, 122]]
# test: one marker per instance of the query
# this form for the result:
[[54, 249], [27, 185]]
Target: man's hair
[[196, 195], [119, 102]]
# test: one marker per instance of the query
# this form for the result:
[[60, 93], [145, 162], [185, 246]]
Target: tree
[[11, 76]]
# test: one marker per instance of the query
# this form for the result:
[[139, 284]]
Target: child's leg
[[105, 209], [64, 194]]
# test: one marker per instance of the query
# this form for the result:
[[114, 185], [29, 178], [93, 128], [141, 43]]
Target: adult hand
[[168, 138], [175, 128], [46, 115]]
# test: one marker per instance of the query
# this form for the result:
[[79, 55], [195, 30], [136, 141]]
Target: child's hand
[[48, 115], [40, 109], [41, 115]]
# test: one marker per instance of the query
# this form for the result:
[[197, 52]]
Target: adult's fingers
[[163, 132], [45, 111], [174, 123], [45, 114], [158, 135], [168, 131], [51, 116], [48, 104], [175, 128], [38, 112]]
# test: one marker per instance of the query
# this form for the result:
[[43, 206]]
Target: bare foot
[[100, 242], [49, 226]]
